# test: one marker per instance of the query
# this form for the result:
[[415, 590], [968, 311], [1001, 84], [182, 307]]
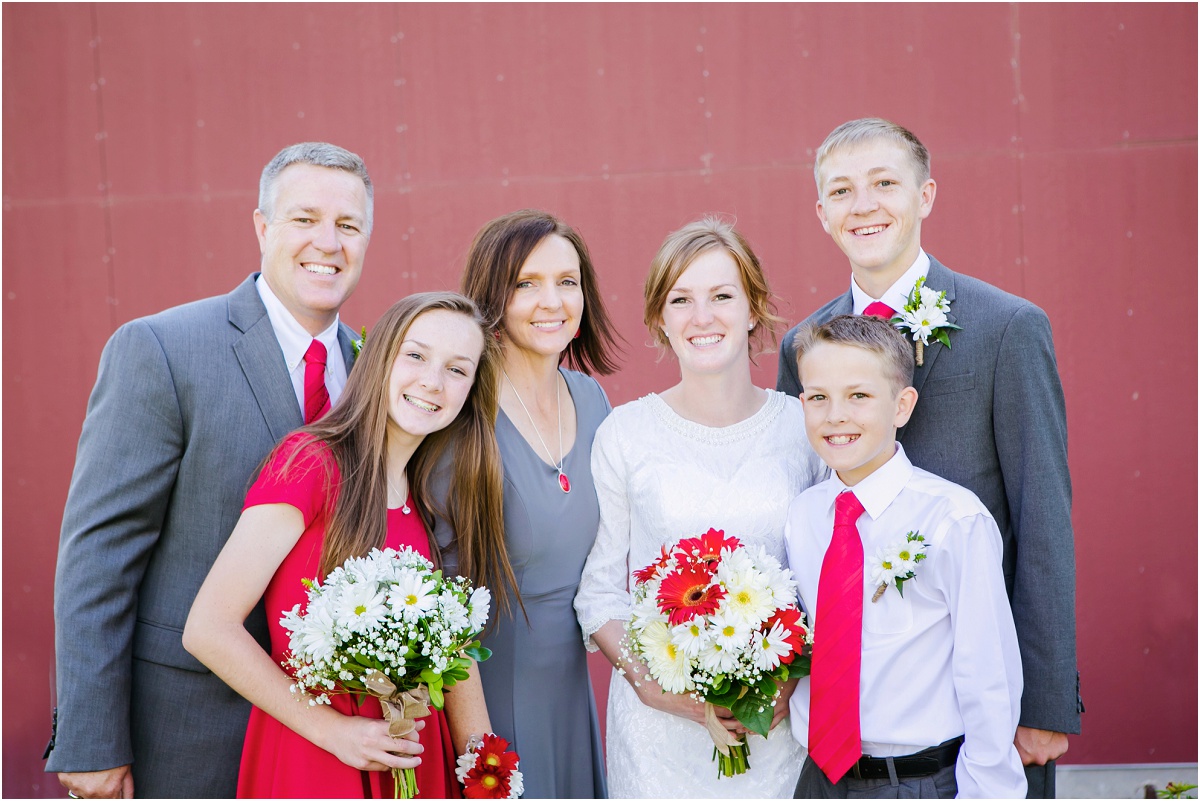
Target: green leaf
[[801, 666], [436, 698], [455, 675], [754, 712], [941, 335], [478, 652], [364, 660], [725, 699]]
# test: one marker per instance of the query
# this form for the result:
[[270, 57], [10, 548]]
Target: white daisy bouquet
[[391, 626], [716, 619]]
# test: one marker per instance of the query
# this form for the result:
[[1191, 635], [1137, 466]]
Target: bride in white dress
[[713, 451]]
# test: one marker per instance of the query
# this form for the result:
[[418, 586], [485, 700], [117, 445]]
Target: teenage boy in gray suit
[[187, 402], [991, 416]]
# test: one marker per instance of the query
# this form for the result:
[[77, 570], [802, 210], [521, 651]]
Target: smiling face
[[544, 310], [314, 244], [433, 373], [707, 315], [871, 201], [852, 408]]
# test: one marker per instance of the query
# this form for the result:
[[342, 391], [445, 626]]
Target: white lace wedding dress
[[659, 478]]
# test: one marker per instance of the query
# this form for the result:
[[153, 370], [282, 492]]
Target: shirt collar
[[877, 491], [897, 294], [293, 338]]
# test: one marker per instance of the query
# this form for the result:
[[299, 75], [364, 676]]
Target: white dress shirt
[[897, 294], [941, 660], [294, 342]]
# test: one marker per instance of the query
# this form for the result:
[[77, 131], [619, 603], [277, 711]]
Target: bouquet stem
[[404, 783], [736, 762]]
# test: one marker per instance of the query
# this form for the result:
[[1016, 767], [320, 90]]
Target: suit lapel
[[844, 305], [346, 337], [941, 279], [261, 360]]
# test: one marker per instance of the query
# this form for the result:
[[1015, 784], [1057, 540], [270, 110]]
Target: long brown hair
[[355, 432], [490, 278]]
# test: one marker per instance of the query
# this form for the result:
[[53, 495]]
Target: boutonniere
[[356, 345], [924, 316], [897, 563]]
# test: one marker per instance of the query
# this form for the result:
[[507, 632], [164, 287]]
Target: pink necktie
[[879, 309], [316, 397], [834, 740]]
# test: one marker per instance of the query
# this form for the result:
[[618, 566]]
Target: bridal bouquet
[[714, 618], [391, 626]]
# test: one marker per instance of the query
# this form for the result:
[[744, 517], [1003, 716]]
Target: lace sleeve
[[604, 587]]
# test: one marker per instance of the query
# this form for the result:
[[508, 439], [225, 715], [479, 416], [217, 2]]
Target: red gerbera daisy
[[686, 593], [705, 548], [647, 572], [493, 768], [790, 619]]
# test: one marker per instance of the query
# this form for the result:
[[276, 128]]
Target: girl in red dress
[[356, 480]]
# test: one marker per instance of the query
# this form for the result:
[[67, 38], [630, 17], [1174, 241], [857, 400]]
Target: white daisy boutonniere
[[924, 316], [897, 563], [357, 344]]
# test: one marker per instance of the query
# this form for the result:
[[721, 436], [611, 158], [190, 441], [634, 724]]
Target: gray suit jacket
[[991, 417], [187, 403]]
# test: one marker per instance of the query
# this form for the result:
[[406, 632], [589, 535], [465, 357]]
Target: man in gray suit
[[990, 417], [187, 402]]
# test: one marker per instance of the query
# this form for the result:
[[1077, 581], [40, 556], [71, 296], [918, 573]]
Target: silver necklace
[[564, 483], [403, 498]]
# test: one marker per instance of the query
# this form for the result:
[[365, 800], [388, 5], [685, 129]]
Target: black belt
[[922, 763]]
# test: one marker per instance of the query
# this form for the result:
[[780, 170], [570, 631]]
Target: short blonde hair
[[873, 334], [855, 132], [683, 247]]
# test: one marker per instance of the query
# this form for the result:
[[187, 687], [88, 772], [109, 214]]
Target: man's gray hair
[[318, 154]]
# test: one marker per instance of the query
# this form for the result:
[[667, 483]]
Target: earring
[[576, 334], [496, 334], [750, 327]]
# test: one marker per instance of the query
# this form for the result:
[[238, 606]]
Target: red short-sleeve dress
[[277, 762]]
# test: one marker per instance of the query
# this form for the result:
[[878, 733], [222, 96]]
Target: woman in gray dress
[[532, 276]]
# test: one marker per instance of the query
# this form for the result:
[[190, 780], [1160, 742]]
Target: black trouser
[[1041, 780], [898, 781]]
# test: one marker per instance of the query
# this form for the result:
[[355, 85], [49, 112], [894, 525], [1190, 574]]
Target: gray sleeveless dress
[[539, 694]]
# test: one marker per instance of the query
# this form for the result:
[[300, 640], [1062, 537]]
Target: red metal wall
[[1064, 142]]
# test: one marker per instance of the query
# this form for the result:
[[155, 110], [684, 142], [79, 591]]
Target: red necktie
[[316, 397], [879, 309], [834, 739]]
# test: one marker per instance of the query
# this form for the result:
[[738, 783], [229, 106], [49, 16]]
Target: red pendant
[[564, 482]]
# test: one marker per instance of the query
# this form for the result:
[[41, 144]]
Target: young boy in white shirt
[[916, 673]]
